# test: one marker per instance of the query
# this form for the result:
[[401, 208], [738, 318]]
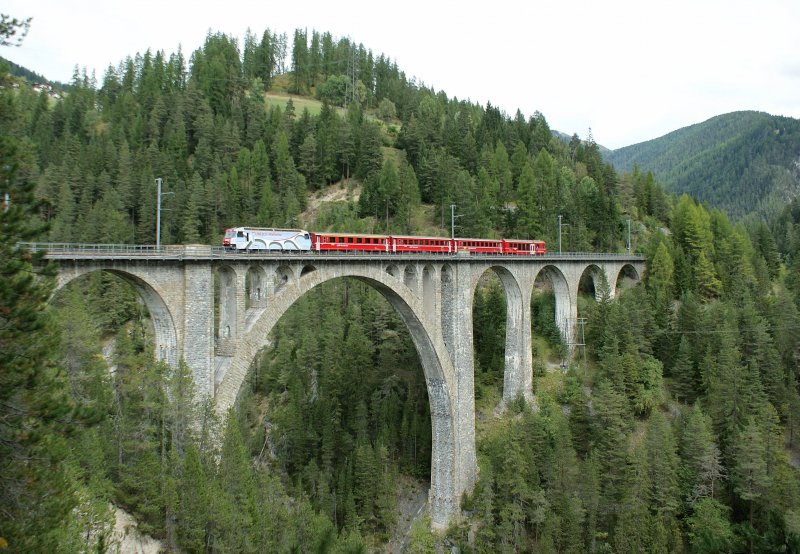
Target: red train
[[249, 238]]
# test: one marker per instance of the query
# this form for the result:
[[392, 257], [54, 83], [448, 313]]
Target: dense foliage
[[675, 433], [741, 162], [233, 149], [36, 412], [680, 432]]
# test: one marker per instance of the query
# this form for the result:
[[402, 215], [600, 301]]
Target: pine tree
[[708, 285], [636, 529], [529, 222], [702, 469], [684, 385], [749, 474], [36, 412], [610, 429], [662, 458], [190, 222], [709, 528]]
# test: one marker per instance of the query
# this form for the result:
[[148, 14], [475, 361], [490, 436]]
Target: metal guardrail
[[85, 248], [63, 250]]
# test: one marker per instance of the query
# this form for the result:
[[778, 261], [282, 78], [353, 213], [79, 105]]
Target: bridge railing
[[89, 249], [179, 251]]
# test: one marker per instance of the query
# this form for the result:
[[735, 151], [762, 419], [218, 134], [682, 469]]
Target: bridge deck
[[69, 251]]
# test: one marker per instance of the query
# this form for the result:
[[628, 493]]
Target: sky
[[628, 70]]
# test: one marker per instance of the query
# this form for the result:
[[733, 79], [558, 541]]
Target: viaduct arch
[[432, 294]]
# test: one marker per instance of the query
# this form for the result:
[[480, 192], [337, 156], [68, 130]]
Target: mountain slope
[[741, 162]]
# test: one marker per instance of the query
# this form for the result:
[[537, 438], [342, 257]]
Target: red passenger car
[[343, 242], [432, 245], [479, 246], [526, 247]]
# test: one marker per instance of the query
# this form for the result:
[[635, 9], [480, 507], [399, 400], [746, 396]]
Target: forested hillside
[[230, 158], [741, 162], [675, 430]]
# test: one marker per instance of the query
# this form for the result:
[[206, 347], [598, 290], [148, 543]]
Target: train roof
[[498, 240], [268, 229], [377, 235], [420, 237], [346, 234]]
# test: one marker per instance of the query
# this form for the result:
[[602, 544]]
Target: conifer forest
[[675, 429]]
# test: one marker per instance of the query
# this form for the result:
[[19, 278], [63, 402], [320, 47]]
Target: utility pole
[[560, 225], [629, 235], [7, 171], [453, 217], [158, 212], [559, 233]]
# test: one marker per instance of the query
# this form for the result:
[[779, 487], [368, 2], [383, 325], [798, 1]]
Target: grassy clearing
[[314, 107], [279, 96]]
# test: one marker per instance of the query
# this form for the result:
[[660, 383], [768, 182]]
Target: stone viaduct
[[433, 294]]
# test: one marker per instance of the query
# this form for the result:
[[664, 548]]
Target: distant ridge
[[743, 162], [31, 76]]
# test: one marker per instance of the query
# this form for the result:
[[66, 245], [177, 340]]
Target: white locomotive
[[253, 238]]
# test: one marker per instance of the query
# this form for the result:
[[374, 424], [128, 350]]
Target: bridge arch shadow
[[255, 287], [226, 316], [627, 277], [594, 281], [551, 280], [161, 316], [516, 349]]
